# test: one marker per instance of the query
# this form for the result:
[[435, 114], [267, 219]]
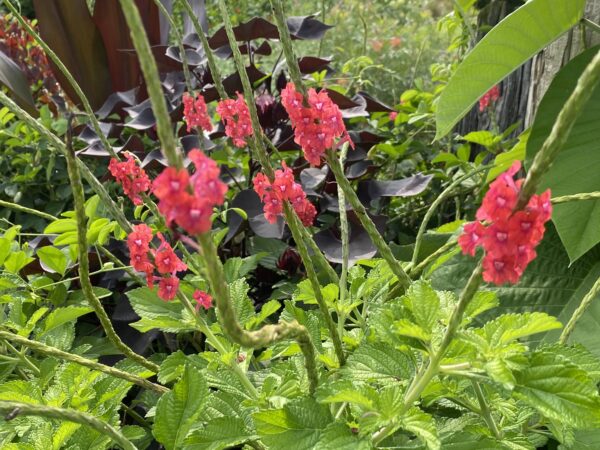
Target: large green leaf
[[506, 47], [14, 79], [157, 313], [177, 410], [220, 433], [577, 165]]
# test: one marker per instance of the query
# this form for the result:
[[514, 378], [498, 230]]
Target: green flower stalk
[[14, 409], [24, 209], [84, 264], [586, 301], [66, 356]]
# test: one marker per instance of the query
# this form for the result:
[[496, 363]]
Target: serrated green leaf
[[405, 327], [509, 44], [347, 391], [510, 327], [178, 409], [482, 301], [157, 313], [242, 305], [378, 362], [174, 364], [60, 316], [559, 390], [421, 425], [220, 433], [424, 304], [337, 436], [306, 294]]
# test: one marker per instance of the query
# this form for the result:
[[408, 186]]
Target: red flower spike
[[203, 300], [194, 215], [167, 287], [139, 239], [490, 97], [500, 269], [132, 178], [236, 116], [195, 112], [166, 260], [471, 238]]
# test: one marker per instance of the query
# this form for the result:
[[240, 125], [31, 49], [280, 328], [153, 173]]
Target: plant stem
[[485, 410], [384, 249], [576, 197], [426, 374], [591, 25], [416, 271], [437, 202], [561, 130], [344, 231], [62, 355], [24, 209], [70, 78], [586, 301], [153, 85], [263, 337], [14, 409], [21, 355], [84, 269]]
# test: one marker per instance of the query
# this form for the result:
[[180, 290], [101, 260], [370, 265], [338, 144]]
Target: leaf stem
[[69, 415], [576, 197], [24, 209]]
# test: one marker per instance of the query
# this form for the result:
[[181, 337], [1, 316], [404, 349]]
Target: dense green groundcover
[[175, 273]]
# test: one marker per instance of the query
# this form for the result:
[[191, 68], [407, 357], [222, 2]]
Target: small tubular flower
[[236, 116], [132, 178], [167, 287], [165, 259], [508, 237], [203, 299], [489, 97], [195, 112]]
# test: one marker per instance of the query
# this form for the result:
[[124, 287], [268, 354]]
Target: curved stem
[[485, 411], [437, 202], [414, 272], [66, 356], [263, 337], [14, 409], [579, 312], [153, 85], [24, 209], [561, 130], [70, 78], [383, 248], [84, 269]]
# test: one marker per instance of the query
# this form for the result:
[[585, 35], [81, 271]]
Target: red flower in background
[[195, 112], [167, 287], [165, 259], [317, 125], [490, 97], [132, 178], [236, 116], [203, 300], [508, 237], [283, 188]]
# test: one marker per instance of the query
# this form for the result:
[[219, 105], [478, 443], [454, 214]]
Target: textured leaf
[[174, 364], [157, 313], [510, 327], [422, 426], [424, 304], [297, 426], [559, 390], [378, 362], [338, 436], [509, 44], [220, 433], [576, 166], [242, 305], [177, 410], [63, 315]]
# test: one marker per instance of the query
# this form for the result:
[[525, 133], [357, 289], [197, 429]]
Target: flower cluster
[[195, 112], [283, 188], [132, 177], [508, 237], [317, 125], [203, 300], [489, 97], [165, 261], [189, 200], [236, 116]]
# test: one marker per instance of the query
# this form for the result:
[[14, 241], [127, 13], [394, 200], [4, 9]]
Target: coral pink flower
[[203, 300], [195, 112], [165, 259], [194, 215], [167, 287], [508, 237], [393, 115], [236, 116], [489, 97], [132, 178], [139, 239]]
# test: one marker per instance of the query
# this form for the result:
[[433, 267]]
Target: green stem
[[210, 58], [360, 211], [23, 357], [65, 356], [344, 231], [70, 78], [561, 130], [436, 203], [263, 337], [416, 271], [579, 312], [84, 269], [97, 187], [153, 85], [24, 209], [14, 409], [591, 25], [485, 410], [576, 197], [424, 376]]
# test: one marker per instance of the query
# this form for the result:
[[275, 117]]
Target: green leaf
[[575, 168], [507, 46], [503, 161], [174, 364], [378, 362], [559, 390], [53, 259], [220, 433], [157, 313], [61, 226], [242, 305], [337, 436], [177, 410], [306, 294], [297, 426], [510, 327], [421, 425], [16, 261], [267, 310], [63, 315], [424, 304]]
